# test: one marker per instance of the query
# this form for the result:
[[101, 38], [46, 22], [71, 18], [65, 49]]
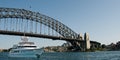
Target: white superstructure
[[25, 49]]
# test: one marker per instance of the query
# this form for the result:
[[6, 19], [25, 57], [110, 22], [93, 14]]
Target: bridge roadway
[[40, 36]]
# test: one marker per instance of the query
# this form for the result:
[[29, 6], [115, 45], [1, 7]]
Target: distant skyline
[[100, 18]]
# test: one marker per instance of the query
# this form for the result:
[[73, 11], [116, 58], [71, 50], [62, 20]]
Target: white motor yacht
[[25, 49]]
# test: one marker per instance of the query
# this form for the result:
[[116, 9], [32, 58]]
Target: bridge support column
[[87, 41]]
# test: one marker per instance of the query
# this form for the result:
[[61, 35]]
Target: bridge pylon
[[87, 41]]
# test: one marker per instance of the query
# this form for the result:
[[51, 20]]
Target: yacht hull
[[26, 53]]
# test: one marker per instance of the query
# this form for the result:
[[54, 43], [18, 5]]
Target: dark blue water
[[104, 55]]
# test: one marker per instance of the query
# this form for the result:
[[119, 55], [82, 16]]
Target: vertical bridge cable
[[27, 26], [22, 25], [49, 25], [16, 23], [36, 27], [52, 31], [10, 24], [0, 24], [13, 25], [31, 26], [52, 28], [44, 28], [56, 26], [44, 25], [4, 23], [48, 30], [40, 25], [19, 25], [40, 28]]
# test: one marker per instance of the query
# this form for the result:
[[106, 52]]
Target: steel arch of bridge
[[59, 27]]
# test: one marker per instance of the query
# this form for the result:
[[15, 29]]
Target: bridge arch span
[[59, 27]]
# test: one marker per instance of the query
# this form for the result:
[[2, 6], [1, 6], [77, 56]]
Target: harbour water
[[100, 55]]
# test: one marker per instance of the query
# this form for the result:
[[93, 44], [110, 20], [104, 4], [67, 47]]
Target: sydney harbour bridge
[[20, 22]]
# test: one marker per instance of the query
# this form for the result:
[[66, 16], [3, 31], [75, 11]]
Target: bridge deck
[[40, 36]]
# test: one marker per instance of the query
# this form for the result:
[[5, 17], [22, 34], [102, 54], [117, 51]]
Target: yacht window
[[25, 46], [26, 50]]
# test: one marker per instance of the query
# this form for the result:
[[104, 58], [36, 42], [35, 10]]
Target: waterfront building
[[1, 50]]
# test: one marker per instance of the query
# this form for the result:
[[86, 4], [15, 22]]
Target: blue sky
[[100, 18]]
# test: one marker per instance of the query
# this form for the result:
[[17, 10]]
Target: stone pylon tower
[[80, 36], [87, 41]]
